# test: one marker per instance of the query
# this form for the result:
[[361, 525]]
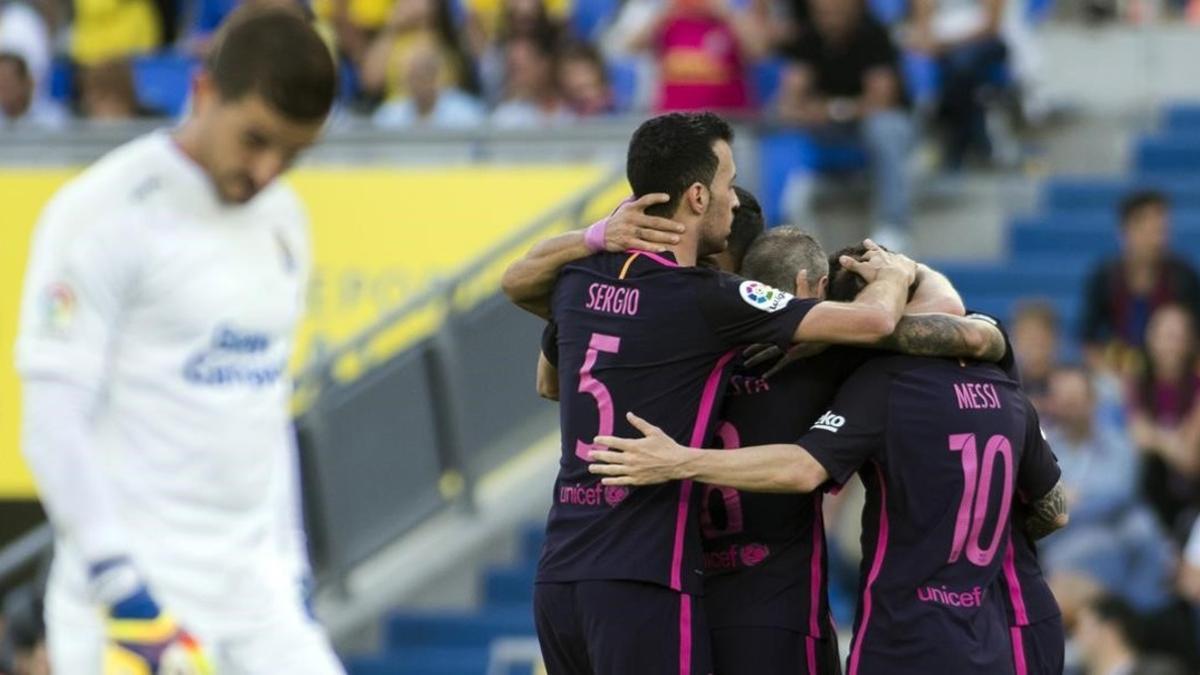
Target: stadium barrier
[[388, 438]]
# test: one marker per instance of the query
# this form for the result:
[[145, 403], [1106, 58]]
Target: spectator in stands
[[490, 38], [1035, 337], [497, 21], [583, 80], [1106, 634], [413, 27], [1113, 537], [107, 93], [1123, 292], [429, 103], [702, 48], [1165, 418], [964, 37], [533, 99], [104, 31], [209, 14], [355, 24], [24, 636], [843, 83], [25, 31], [18, 106]]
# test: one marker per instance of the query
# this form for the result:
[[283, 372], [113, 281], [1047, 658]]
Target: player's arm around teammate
[[528, 282], [657, 458]]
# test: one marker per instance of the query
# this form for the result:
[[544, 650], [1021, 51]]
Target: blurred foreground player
[[942, 447], [163, 289]]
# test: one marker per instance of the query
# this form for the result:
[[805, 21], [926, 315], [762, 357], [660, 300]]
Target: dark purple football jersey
[[1028, 596], [636, 332], [943, 448], [764, 554]]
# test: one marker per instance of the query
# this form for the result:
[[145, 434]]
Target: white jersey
[[180, 310]]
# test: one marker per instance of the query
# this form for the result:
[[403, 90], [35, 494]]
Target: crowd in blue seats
[[1101, 294]]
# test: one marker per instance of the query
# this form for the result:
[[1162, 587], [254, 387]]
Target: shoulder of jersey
[[125, 178], [281, 199]]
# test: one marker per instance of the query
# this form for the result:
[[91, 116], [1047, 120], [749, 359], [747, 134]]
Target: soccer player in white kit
[[163, 289]]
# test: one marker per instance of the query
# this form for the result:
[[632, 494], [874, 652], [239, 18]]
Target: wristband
[[593, 236], [113, 580]]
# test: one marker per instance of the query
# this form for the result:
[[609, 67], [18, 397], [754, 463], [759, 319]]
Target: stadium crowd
[[1124, 421]]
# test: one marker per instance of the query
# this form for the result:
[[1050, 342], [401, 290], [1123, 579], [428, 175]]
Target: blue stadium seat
[[589, 17], [1004, 305], [62, 80], [1088, 235], [421, 661], [457, 629], [1037, 11], [767, 75], [623, 78], [348, 88], [786, 151], [163, 82], [889, 12], [532, 538], [1071, 193], [1013, 277], [922, 78], [1170, 154], [1181, 117], [506, 586]]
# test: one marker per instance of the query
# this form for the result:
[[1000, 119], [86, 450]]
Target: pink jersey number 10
[[731, 498], [590, 385], [977, 485]]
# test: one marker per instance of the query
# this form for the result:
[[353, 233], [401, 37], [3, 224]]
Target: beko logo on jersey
[[830, 422], [235, 357], [764, 297]]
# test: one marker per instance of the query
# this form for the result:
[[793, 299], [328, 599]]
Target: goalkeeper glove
[[141, 638]]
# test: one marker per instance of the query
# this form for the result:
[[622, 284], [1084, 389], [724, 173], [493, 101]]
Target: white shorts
[[282, 640]]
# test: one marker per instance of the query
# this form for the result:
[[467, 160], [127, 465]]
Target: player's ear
[[697, 198], [802, 288], [822, 287], [204, 92]]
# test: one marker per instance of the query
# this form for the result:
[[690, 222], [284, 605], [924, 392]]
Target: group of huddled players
[[666, 552]]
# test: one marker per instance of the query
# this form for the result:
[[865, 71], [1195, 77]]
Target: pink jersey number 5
[[977, 486], [590, 385]]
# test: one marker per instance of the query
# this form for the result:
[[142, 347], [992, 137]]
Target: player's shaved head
[[778, 255], [275, 53], [672, 152]]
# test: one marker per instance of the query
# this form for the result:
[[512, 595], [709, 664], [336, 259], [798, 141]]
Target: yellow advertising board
[[379, 236]]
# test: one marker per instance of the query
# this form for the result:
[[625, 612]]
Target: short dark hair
[[16, 61], [275, 53], [844, 285], [776, 257], [1137, 200], [747, 225], [1042, 311], [583, 51], [670, 152], [1113, 610]]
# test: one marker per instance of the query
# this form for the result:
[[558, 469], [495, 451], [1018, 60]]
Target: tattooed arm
[[1047, 514], [945, 335]]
